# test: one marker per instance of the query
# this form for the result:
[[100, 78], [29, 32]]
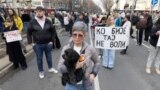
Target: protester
[[141, 25], [149, 25], [118, 20], [2, 19], [19, 24], [13, 49], [41, 35], [127, 25], [66, 22], [134, 20], [102, 24], [86, 18], [108, 54], [154, 50], [70, 17], [25, 18], [32, 14], [155, 17], [80, 17], [91, 63], [55, 21], [56, 24]]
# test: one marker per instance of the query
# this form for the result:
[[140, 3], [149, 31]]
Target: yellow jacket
[[18, 22]]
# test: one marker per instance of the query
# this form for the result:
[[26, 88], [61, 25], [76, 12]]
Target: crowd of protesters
[[139, 23], [42, 29]]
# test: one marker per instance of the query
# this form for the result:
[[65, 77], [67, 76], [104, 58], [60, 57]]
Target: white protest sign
[[12, 36], [111, 37], [158, 43]]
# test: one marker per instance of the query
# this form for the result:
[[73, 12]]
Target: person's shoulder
[[32, 20], [48, 20], [87, 46], [17, 17]]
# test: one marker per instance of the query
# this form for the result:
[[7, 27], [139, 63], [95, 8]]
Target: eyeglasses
[[74, 35]]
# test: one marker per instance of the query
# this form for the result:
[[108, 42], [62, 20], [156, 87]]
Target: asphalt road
[[128, 74]]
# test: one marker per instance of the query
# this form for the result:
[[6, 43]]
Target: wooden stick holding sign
[[111, 37], [12, 36]]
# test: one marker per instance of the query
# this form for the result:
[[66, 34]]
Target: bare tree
[[135, 3], [133, 6], [107, 5], [54, 3]]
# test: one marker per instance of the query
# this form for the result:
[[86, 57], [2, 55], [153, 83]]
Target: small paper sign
[[12, 36]]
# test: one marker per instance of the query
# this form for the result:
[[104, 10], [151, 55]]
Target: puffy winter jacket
[[40, 36]]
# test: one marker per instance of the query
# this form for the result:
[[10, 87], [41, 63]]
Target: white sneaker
[[148, 70], [41, 75], [53, 70]]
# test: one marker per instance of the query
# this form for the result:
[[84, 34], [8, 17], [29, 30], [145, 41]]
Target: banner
[[111, 38], [12, 36]]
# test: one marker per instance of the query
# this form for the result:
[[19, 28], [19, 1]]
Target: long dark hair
[[14, 12]]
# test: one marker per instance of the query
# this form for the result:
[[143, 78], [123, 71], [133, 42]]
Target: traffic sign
[[154, 2]]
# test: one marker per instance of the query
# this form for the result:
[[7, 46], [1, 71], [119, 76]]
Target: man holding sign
[[154, 50]]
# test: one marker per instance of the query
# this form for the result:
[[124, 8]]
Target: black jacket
[[25, 17], [86, 19], [149, 22], [154, 37], [134, 20], [40, 36]]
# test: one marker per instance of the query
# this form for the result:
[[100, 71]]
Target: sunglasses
[[77, 35]]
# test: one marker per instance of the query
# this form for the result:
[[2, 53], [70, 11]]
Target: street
[[112, 24], [128, 73]]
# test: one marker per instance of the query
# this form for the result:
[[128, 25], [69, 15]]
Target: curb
[[9, 67]]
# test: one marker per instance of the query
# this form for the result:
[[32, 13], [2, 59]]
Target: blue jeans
[[108, 58], [39, 49], [74, 87], [25, 24]]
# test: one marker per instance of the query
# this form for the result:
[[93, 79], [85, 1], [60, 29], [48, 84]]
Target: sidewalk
[[6, 65], [3, 46]]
